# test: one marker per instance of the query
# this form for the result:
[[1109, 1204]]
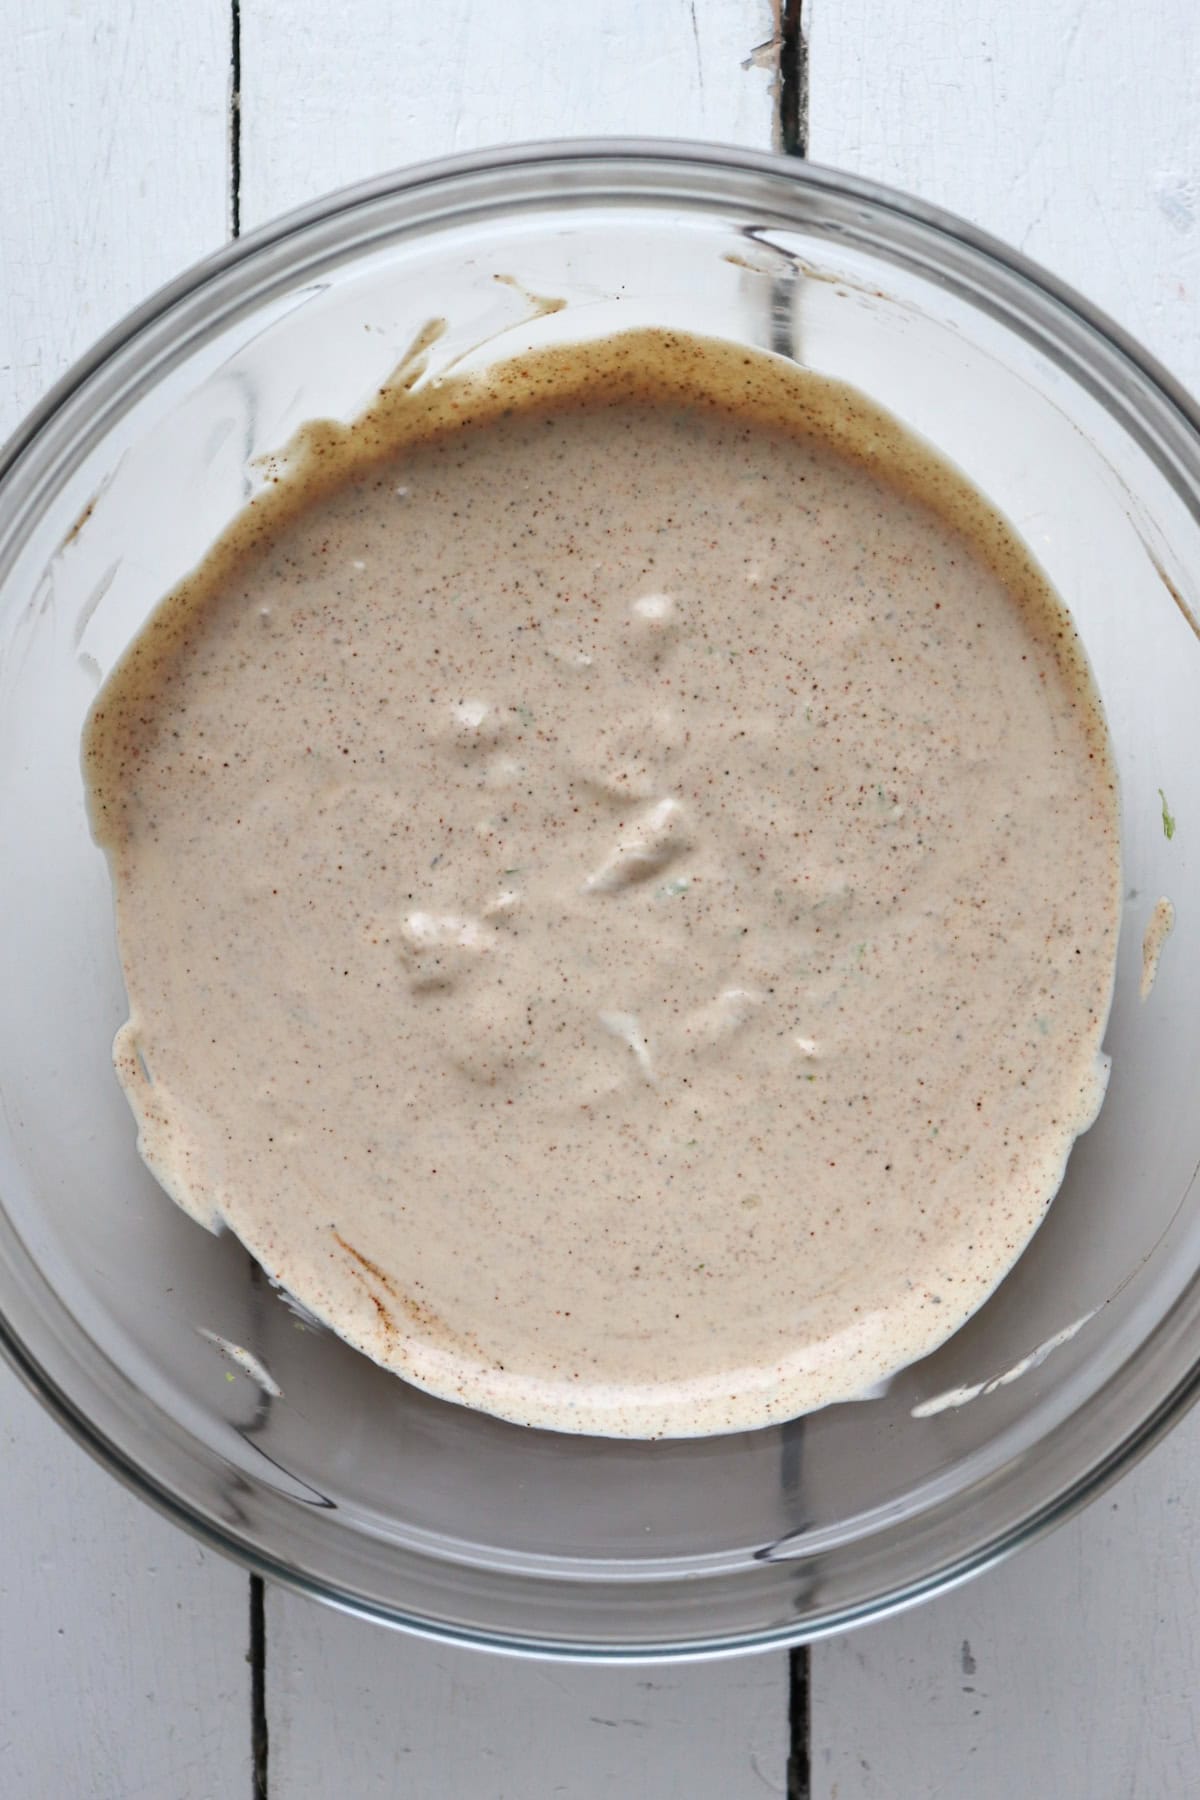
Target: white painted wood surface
[[122, 1643], [398, 81], [1069, 1673], [365, 1714], [114, 135], [1067, 126]]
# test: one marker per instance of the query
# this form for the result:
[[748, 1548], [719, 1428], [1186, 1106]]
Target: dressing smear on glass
[[617, 877]]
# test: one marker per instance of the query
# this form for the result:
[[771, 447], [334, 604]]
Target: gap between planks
[[792, 133]]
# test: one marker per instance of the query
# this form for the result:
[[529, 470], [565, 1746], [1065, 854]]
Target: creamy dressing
[[617, 880]]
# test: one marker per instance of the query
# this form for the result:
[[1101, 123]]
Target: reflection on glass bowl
[[312, 1464]]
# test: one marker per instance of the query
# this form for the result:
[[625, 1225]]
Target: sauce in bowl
[[617, 874]]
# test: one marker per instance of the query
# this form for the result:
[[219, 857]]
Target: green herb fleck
[[523, 713], [1043, 1026], [513, 871], [229, 1375], [1168, 817], [671, 890], [691, 1143]]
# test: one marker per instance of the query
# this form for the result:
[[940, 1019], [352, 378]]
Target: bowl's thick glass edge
[[1061, 1507], [661, 153], [615, 153]]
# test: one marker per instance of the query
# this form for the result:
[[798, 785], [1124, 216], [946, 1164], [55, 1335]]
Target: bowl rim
[[617, 152]]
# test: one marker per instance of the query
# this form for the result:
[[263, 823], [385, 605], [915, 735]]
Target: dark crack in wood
[[793, 79], [799, 1769], [235, 119], [256, 1656]]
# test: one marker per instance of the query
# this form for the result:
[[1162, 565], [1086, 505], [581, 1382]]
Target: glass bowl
[[163, 1349]]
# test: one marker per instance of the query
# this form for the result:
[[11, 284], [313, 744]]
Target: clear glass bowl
[[347, 1483]]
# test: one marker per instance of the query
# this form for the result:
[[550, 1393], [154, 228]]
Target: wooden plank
[[1072, 1670], [114, 144], [1067, 128], [122, 1644], [353, 1710], [362, 1712], [399, 81]]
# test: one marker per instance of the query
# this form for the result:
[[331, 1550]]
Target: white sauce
[[617, 877]]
